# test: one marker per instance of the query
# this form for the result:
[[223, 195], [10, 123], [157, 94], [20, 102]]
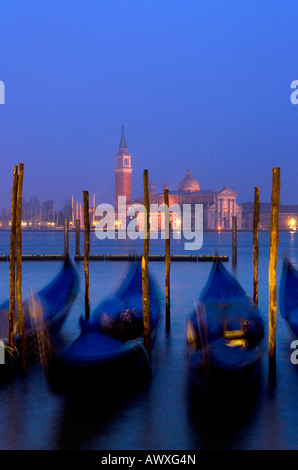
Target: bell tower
[[123, 172]]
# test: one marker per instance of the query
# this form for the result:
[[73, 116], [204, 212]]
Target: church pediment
[[226, 192]]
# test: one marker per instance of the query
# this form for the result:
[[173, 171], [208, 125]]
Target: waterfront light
[[292, 224]]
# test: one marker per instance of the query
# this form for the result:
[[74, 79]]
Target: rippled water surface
[[167, 412]]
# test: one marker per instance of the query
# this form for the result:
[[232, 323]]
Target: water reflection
[[166, 412], [89, 414], [222, 423]]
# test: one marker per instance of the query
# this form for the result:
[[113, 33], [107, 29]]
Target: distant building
[[219, 206], [286, 221], [287, 217]]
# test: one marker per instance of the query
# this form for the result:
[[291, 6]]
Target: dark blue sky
[[203, 84]]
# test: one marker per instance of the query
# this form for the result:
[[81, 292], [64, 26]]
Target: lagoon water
[[165, 413]]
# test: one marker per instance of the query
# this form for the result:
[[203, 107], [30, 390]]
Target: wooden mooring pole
[[145, 269], [167, 258], [21, 323], [256, 246], [65, 237], [274, 239], [77, 237], [12, 261], [86, 252], [234, 240]]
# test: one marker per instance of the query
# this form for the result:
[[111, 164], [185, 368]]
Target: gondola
[[225, 335], [111, 341], [288, 295], [47, 309]]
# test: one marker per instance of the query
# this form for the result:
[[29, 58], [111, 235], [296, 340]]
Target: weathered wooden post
[[93, 211], [12, 260], [77, 237], [72, 212], [21, 323], [167, 258], [234, 240], [145, 269], [256, 246], [65, 237], [274, 239], [86, 252]]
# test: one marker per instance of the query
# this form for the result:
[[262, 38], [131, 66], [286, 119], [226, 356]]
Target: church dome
[[189, 184]]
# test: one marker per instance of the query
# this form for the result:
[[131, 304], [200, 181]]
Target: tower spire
[[151, 189], [123, 144]]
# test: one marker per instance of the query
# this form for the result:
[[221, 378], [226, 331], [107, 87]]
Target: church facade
[[219, 206]]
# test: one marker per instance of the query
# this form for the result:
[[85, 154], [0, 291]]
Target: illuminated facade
[[219, 206], [286, 221]]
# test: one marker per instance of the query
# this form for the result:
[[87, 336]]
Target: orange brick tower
[[123, 172]]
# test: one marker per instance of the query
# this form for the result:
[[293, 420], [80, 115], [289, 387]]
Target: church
[[219, 206]]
